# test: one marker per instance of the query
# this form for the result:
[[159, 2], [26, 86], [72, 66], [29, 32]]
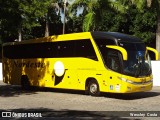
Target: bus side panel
[[111, 83], [68, 79], [88, 69], [42, 72], [77, 71], [11, 73], [35, 70]]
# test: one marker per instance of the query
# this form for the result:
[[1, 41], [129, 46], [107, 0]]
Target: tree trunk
[[19, 34], [47, 27], [158, 35]]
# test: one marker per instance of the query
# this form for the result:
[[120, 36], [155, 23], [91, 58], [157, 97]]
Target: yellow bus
[[91, 61]]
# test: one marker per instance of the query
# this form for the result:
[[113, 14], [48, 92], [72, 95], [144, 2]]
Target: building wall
[[155, 71]]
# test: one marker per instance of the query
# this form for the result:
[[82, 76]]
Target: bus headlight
[[135, 83], [125, 80]]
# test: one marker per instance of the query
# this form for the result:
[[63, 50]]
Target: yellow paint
[[77, 69], [155, 52], [121, 49]]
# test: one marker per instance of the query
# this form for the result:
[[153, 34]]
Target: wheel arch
[[91, 79]]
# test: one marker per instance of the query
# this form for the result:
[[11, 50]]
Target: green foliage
[[89, 6], [9, 19], [144, 25], [27, 15], [88, 21], [133, 17], [75, 24], [141, 20], [30, 10]]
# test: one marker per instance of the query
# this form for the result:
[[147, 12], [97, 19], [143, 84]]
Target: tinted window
[[101, 43], [133, 46], [104, 42], [79, 48], [112, 60], [66, 49], [35, 50], [84, 48]]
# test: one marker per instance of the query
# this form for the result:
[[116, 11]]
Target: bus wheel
[[25, 82], [93, 88]]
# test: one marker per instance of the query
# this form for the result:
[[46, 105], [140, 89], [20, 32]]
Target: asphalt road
[[51, 103]]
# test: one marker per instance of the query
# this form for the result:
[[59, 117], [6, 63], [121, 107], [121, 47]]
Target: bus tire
[[93, 88], [25, 82]]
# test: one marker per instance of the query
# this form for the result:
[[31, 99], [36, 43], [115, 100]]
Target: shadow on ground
[[13, 90], [132, 96], [128, 96], [66, 114]]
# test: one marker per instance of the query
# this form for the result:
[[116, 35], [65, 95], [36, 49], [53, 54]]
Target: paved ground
[[58, 103]]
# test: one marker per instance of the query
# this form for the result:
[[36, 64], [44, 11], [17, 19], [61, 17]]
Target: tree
[[52, 25], [156, 4], [54, 20], [140, 18], [98, 15], [21, 15], [153, 5], [74, 24], [9, 20], [88, 7], [53, 7], [30, 10], [158, 35]]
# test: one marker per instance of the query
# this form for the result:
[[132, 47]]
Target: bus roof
[[116, 36], [83, 35], [63, 37]]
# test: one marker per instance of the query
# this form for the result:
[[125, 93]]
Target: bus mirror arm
[[154, 51], [121, 49]]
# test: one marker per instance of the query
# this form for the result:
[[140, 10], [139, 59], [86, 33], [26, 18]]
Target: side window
[[152, 55], [66, 49], [84, 48], [11, 51], [34, 50], [50, 50], [73, 48], [101, 43], [44, 50], [113, 61], [6, 52]]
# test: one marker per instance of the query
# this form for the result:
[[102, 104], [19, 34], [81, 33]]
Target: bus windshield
[[138, 63]]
